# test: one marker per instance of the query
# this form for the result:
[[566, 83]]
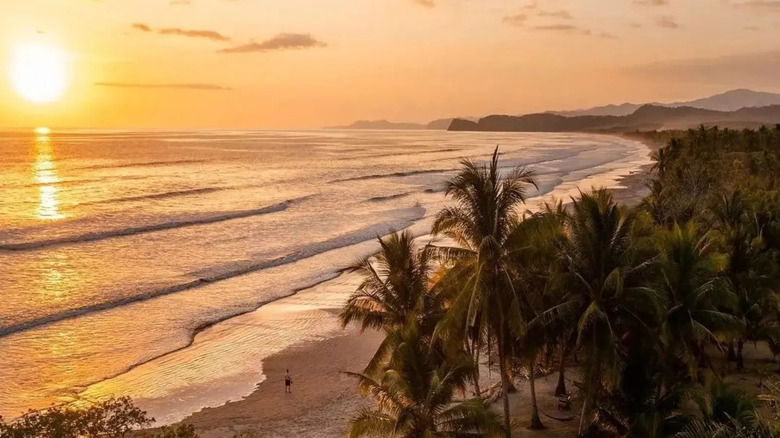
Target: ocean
[[127, 256]]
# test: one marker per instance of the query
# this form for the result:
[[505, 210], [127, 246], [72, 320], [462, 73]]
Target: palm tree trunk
[[536, 422], [731, 356], [476, 369], [592, 384], [740, 358], [560, 390], [504, 387]]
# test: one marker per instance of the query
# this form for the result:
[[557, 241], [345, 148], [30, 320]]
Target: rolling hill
[[646, 117]]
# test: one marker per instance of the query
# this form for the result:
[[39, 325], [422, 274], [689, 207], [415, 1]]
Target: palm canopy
[[395, 288], [693, 291], [480, 225], [603, 266], [415, 394]]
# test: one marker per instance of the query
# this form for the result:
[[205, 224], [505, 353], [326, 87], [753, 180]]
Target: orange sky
[[310, 63]]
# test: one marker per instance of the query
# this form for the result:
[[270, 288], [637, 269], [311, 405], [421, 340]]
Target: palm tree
[[415, 394], [479, 224], [533, 263], [395, 287], [693, 292], [398, 287], [602, 270], [749, 269]]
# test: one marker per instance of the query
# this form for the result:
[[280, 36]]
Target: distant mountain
[[645, 117], [733, 100], [440, 124], [379, 124], [728, 101]]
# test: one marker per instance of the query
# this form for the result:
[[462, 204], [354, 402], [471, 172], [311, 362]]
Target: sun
[[39, 72]]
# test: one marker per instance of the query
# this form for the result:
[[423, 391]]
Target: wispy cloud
[[556, 14], [515, 20], [180, 2], [283, 41], [206, 87], [574, 30], [208, 34], [190, 33], [651, 2], [667, 22], [426, 3], [759, 5], [142, 27], [558, 27]]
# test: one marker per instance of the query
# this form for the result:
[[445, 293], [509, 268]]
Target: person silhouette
[[287, 383]]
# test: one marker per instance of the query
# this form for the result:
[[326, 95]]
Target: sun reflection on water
[[45, 174]]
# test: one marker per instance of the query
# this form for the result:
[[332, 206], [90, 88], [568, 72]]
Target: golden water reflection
[[45, 174]]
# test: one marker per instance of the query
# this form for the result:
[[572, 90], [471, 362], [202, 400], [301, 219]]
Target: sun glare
[[39, 73]]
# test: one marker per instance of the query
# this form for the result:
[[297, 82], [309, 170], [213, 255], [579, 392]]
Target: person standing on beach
[[287, 383]]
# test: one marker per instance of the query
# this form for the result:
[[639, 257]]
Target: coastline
[[323, 397]]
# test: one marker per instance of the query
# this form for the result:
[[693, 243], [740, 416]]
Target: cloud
[[190, 33], [667, 22], [651, 2], [207, 34], [283, 41], [529, 6], [208, 87], [180, 2], [556, 14], [515, 20], [574, 30], [557, 27], [760, 5], [426, 3], [142, 27]]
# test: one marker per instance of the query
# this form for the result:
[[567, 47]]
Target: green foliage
[[645, 294], [111, 418], [178, 431], [415, 394]]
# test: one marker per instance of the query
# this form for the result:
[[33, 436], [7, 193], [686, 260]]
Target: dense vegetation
[[656, 301], [114, 418]]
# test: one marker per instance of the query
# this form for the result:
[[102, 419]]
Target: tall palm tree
[[395, 287], [533, 264], [398, 287], [486, 204], [415, 394], [694, 293], [602, 271]]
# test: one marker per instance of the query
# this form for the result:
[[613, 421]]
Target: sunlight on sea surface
[[45, 172], [118, 247]]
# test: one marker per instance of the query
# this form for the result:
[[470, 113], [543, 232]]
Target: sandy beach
[[323, 398]]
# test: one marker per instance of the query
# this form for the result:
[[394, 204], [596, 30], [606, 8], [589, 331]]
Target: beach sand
[[323, 398]]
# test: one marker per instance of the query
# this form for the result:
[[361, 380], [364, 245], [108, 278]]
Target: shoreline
[[331, 397], [227, 342], [323, 398]]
